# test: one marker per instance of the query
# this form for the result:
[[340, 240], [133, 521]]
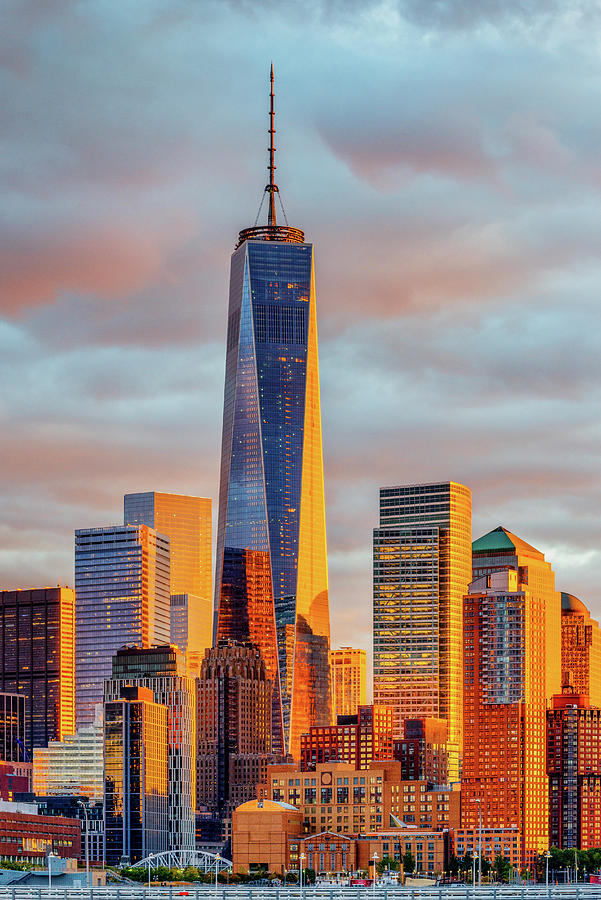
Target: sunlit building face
[[512, 656], [187, 522], [271, 578], [422, 567]]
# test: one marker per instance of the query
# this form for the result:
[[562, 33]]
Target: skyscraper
[[163, 671], [580, 649], [271, 583], [574, 770], [348, 668], [187, 522], [135, 794], [233, 713], [37, 655], [422, 567], [122, 588], [512, 657]]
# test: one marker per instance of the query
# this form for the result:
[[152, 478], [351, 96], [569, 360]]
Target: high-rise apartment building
[[574, 770], [271, 583], [72, 766], [500, 549], [348, 667], [508, 615], [122, 588], [233, 713], [359, 740], [423, 751], [37, 657], [163, 671], [187, 522], [580, 649], [421, 569], [135, 800]]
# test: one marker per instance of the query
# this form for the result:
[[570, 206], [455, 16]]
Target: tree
[[387, 864], [408, 863], [309, 876], [502, 867], [454, 865]]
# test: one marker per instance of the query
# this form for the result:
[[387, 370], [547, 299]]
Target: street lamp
[[547, 857], [85, 810], [375, 857], [301, 859], [150, 856], [51, 856], [217, 860], [478, 800]]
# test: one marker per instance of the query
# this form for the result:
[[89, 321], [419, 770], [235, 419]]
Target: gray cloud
[[445, 161]]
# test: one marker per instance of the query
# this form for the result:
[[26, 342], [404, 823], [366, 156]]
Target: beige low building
[[261, 833]]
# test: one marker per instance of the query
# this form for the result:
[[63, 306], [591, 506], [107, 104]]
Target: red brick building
[[27, 837], [423, 751], [574, 770], [358, 740]]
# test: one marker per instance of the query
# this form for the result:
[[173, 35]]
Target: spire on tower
[[272, 187], [272, 231]]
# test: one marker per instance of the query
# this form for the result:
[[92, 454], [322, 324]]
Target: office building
[[358, 739], [580, 649], [340, 798], [12, 728], [163, 671], [92, 821], [187, 522], [271, 583], [122, 587], [135, 797], [574, 770], [421, 569], [423, 751], [73, 766], [37, 660], [508, 615], [234, 704], [348, 667]]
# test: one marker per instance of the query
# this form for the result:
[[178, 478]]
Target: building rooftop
[[570, 603], [501, 540], [267, 805]]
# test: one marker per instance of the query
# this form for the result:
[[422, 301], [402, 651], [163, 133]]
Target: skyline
[[453, 228]]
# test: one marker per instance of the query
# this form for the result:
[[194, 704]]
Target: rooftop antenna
[[272, 188]]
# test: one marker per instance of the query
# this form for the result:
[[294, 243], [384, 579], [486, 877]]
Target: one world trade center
[[271, 581]]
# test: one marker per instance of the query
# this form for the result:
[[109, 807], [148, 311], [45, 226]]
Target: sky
[[444, 158]]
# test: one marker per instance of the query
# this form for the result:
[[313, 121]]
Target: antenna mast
[[272, 188]]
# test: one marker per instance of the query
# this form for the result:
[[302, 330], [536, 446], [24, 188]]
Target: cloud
[[443, 158]]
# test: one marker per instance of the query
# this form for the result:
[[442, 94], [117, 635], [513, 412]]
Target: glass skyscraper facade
[[122, 597], [271, 584], [163, 671], [135, 793], [187, 522], [422, 568], [37, 655]]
